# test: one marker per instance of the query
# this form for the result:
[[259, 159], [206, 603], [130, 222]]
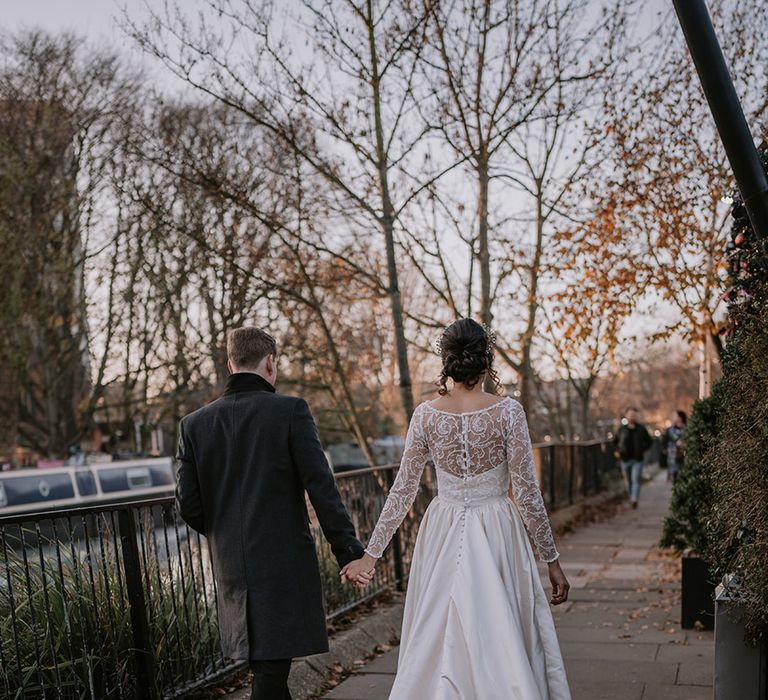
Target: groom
[[244, 463]]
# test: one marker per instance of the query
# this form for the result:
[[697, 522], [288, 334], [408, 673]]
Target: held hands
[[359, 572], [560, 585]]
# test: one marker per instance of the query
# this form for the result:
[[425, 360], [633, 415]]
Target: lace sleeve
[[525, 486], [403, 491]]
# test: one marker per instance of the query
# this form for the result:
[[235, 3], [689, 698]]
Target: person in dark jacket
[[245, 462], [673, 444], [632, 442]]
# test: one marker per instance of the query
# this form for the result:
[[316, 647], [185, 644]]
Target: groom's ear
[[229, 367]]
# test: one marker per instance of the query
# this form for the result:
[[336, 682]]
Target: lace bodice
[[476, 455]]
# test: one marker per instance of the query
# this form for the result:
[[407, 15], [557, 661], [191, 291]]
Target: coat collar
[[240, 382]]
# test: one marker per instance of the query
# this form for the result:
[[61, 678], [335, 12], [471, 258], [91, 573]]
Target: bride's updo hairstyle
[[467, 353]]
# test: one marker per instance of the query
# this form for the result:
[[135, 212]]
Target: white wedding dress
[[477, 623]]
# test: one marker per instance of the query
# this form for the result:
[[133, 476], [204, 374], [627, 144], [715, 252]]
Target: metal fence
[[570, 472], [106, 602], [119, 600]]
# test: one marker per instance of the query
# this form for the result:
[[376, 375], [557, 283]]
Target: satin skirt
[[477, 623]]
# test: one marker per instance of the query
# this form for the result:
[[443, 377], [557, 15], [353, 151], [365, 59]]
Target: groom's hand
[[359, 572]]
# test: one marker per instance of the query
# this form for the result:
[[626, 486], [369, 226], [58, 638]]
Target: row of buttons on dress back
[[464, 476]]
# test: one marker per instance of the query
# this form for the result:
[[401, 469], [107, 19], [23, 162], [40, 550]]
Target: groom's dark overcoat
[[244, 463]]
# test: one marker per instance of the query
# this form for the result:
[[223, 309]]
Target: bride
[[476, 624]]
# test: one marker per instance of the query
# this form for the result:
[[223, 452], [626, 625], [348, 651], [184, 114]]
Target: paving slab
[[606, 690], [363, 686], [562, 609], [676, 692], [618, 634], [633, 585], [571, 567], [595, 539], [610, 595], [632, 554], [633, 572], [592, 553], [577, 581], [386, 663], [609, 651], [696, 671], [631, 672], [684, 653], [705, 638]]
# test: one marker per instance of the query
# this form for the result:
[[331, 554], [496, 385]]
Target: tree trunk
[[705, 365], [483, 252], [586, 400], [526, 367], [387, 225]]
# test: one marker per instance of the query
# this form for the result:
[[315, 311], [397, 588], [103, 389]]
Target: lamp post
[[726, 109]]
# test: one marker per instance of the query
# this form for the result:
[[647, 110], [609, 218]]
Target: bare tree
[[235, 230], [516, 92], [483, 53], [59, 104], [343, 110]]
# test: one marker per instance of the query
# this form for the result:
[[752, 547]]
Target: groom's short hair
[[248, 346]]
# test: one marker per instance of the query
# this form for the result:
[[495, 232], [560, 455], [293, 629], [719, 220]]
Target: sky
[[93, 18], [97, 20]]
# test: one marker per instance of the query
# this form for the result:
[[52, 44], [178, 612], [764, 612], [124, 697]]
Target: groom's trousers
[[270, 680]]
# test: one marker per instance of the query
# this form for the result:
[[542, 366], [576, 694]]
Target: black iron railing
[[119, 600], [570, 472], [106, 601]]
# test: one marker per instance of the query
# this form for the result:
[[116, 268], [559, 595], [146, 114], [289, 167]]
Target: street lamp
[[726, 109]]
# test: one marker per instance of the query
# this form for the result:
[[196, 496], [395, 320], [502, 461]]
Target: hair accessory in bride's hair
[[491, 335], [437, 343]]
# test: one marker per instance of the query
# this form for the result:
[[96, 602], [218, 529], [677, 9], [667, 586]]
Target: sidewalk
[[619, 632]]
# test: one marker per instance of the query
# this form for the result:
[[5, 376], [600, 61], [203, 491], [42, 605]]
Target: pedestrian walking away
[[632, 442], [673, 444]]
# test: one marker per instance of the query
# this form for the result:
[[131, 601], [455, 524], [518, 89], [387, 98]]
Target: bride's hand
[[560, 585], [359, 572]]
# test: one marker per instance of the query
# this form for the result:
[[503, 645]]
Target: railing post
[[397, 549], [552, 485], [597, 461], [139, 624]]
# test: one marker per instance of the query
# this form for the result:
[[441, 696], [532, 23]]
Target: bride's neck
[[462, 390]]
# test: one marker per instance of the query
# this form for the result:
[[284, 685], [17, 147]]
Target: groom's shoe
[[270, 680]]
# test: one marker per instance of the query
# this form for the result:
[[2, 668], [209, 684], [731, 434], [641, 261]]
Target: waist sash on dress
[[473, 489]]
